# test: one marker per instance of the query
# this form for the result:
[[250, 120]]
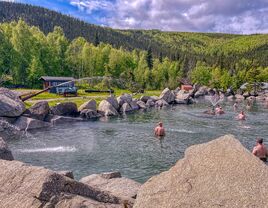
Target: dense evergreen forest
[[35, 41]]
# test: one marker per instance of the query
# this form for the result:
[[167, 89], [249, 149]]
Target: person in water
[[241, 116], [210, 111], [260, 150], [249, 105], [159, 130], [235, 106], [219, 110]]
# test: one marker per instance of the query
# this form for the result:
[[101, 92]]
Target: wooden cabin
[[186, 84], [54, 81], [186, 87]]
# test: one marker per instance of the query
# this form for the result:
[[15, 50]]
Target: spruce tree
[[96, 40], [149, 58]]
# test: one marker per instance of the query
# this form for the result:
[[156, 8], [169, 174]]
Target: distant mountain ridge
[[183, 46], [47, 19]]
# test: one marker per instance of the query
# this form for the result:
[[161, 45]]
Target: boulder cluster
[[14, 117]]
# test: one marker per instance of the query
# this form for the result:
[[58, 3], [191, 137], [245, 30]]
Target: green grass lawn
[[53, 99]]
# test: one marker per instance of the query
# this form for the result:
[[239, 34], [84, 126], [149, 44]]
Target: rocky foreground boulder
[[25, 123], [39, 110], [107, 109], [123, 188], [89, 114], [124, 98], [113, 101], [167, 95], [9, 131], [220, 173], [10, 104], [65, 109], [89, 105], [182, 97], [25, 186], [5, 153]]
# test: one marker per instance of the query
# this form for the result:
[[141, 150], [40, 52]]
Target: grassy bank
[[82, 97]]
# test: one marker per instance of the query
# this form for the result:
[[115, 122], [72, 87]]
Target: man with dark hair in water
[[159, 130], [260, 150]]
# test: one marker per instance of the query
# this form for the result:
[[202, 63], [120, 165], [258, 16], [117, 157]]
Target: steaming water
[[127, 144]]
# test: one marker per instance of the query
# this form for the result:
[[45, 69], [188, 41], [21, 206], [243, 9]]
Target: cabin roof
[[48, 78]]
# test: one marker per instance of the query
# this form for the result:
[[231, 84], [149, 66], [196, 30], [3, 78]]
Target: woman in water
[[241, 116]]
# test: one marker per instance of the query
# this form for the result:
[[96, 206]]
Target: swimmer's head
[[259, 140], [160, 124]]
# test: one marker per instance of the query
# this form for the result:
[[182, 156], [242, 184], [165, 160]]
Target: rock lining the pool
[[41, 116]]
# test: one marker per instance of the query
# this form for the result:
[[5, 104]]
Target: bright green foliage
[[201, 74], [35, 72], [216, 60]]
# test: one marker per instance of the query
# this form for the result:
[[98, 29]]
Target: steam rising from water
[[50, 149]]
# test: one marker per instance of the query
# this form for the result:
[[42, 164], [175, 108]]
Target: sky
[[224, 16]]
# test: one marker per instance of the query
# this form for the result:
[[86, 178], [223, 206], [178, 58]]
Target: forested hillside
[[46, 20], [32, 44]]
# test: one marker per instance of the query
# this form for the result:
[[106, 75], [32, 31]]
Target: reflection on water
[[128, 144]]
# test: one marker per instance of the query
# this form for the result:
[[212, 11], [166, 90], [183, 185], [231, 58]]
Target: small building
[[186, 87], [55, 81], [186, 84]]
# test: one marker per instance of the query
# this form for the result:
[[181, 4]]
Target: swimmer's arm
[[254, 152]]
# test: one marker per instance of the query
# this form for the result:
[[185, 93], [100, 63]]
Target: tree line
[[27, 53]]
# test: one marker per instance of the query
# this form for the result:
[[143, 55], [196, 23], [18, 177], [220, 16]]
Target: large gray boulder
[[10, 104], [107, 108], [125, 108], [9, 131], [26, 186], [134, 106], [111, 99], [150, 103], [25, 123], [125, 98], [167, 95], [145, 98], [161, 103], [123, 188], [141, 104], [202, 91], [220, 173], [39, 110], [182, 97], [89, 105], [65, 109], [5, 153], [89, 114], [154, 98]]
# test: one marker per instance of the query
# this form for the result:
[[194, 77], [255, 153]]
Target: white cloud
[[9, 0], [92, 5], [231, 16]]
